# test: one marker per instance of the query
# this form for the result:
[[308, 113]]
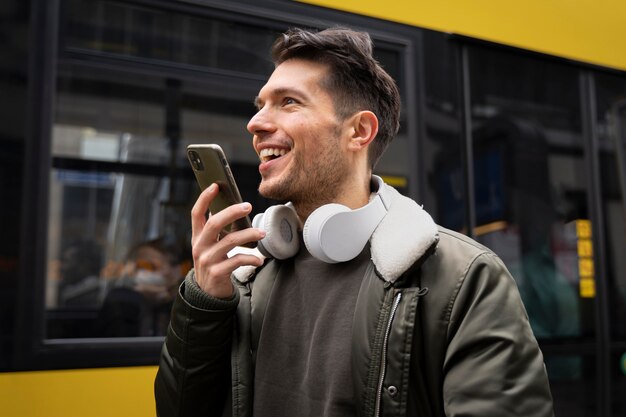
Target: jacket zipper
[[383, 360]]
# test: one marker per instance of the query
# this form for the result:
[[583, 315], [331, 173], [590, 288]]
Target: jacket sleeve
[[194, 370], [493, 365]]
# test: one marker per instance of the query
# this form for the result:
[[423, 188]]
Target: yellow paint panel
[[585, 30], [585, 268], [583, 229], [79, 392], [395, 181], [585, 248], [490, 227], [587, 288]]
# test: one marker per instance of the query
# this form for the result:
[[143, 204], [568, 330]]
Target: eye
[[289, 100]]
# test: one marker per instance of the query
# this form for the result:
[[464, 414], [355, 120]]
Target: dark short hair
[[356, 80]]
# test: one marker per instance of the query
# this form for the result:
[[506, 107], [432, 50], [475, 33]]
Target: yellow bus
[[513, 132]]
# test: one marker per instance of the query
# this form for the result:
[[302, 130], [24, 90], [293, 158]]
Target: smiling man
[[321, 140], [362, 305]]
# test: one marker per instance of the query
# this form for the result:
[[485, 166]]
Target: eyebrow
[[281, 91]]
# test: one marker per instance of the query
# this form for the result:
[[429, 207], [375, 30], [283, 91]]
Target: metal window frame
[[594, 201]]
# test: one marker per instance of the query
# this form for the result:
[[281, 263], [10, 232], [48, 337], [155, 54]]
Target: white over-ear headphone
[[332, 233]]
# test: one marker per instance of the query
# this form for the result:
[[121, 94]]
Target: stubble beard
[[310, 185]]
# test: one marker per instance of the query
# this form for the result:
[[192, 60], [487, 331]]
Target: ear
[[364, 127]]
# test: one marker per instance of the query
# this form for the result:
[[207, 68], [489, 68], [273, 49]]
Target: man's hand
[[211, 263]]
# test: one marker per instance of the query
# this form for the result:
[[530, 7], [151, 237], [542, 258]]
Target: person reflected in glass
[[139, 300]]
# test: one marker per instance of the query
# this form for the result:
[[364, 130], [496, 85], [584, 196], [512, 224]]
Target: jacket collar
[[403, 236]]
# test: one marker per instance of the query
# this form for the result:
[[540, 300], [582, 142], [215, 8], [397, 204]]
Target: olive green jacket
[[439, 330]]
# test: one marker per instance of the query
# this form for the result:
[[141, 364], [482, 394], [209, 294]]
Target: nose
[[261, 123]]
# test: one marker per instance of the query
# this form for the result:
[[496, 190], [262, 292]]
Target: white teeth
[[267, 153]]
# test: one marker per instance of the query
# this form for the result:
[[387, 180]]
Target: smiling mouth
[[269, 154]]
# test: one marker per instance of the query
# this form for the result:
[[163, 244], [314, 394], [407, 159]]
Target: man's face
[[298, 137]]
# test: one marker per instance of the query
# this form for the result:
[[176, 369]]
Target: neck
[[353, 194]]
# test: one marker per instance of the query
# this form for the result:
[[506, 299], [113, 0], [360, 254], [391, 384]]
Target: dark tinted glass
[[611, 118], [611, 107], [164, 35], [14, 83], [572, 396], [394, 164], [531, 199], [121, 191], [441, 158]]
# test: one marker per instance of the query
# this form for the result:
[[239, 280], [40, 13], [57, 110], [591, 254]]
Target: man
[[422, 322]]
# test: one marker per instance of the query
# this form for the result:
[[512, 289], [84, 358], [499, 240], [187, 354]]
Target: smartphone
[[209, 165]]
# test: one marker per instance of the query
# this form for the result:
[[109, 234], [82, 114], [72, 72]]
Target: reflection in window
[[120, 195], [113, 262], [140, 290], [531, 200], [164, 35], [394, 164], [440, 148], [530, 184]]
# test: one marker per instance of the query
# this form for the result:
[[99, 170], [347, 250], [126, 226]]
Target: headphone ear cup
[[322, 236], [257, 222], [280, 224]]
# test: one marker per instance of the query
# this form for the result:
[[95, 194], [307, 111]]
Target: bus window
[[441, 156], [121, 191], [611, 117], [394, 164], [166, 36], [135, 86], [531, 201]]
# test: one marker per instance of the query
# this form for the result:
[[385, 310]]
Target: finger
[[207, 251], [226, 267], [239, 238], [218, 221], [200, 208], [242, 259], [212, 251]]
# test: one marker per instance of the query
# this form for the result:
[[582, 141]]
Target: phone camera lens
[[194, 158]]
